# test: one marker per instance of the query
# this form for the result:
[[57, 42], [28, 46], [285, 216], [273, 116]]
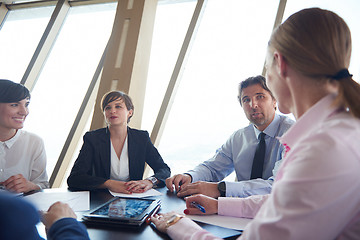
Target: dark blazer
[[92, 167]]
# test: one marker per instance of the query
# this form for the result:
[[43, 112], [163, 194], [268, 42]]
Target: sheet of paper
[[149, 193], [222, 221], [78, 201], [3, 191]]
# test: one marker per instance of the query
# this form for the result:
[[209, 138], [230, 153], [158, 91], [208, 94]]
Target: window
[[229, 47], [171, 23], [66, 75], [348, 10], [19, 38]]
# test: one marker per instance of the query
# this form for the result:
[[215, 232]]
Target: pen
[[148, 219], [198, 206]]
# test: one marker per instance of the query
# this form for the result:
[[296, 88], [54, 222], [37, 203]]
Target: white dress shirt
[[24, 154], [119, 169]]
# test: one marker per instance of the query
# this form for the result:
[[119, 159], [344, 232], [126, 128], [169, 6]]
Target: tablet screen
[[124, 208]]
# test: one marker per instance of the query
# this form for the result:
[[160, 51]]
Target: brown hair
[[253, 81], [115, 95], [317, 43]]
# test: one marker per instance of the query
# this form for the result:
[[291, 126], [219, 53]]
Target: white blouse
[[24, 154], [119, 169]]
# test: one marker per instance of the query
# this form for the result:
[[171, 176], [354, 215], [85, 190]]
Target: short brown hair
[[253, 81], [115, 95]]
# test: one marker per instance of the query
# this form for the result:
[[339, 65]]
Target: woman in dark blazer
[[115, 157]]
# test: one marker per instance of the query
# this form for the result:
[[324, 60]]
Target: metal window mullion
[[46, 42], [77, 128], [175, 79], [3, 13], [278, 20]]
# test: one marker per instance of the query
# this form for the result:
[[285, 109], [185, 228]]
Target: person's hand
[[161, 219], [18, 183], [116, 186], [56, 212], [139, 186], [178, 180], [210, 205], [207, 188]]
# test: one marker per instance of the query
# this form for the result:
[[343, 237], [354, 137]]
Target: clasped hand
[[18, 183], [138, 186]]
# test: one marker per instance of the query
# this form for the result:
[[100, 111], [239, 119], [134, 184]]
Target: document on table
[[78, 201], [149, 193], [222, 221]]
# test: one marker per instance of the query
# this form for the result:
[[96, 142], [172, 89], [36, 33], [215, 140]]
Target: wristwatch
[[173, 219], [153, 180], [222, 188]]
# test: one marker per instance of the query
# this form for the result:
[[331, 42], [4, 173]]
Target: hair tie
[[343, 73]]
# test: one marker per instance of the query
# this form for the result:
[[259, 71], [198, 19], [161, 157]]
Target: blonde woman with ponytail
[[316, 193]]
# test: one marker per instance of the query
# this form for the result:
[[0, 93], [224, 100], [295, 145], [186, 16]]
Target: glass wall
[[171, 24], [19, 38], [65, 78], [349, 11], [229, 47]]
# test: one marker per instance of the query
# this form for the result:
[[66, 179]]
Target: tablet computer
[[123, 211]]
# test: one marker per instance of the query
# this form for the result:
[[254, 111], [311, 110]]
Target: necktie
[[258, 162]]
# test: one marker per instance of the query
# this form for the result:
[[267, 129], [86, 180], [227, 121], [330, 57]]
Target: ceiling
[[19, 1], [11, 4]]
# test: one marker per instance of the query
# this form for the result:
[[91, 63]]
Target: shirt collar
[[12, 140], [306, 124], [271, 129]]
